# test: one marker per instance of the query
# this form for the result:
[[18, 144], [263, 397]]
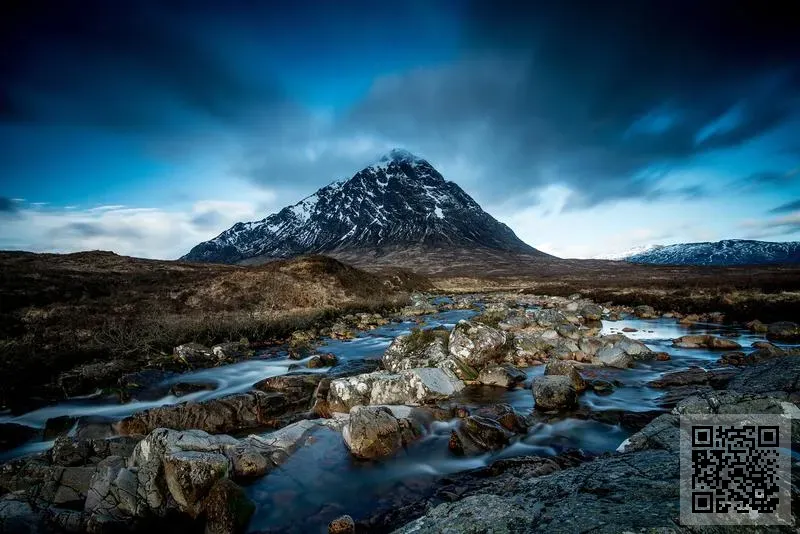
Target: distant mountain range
[[400, 202], [727, 252]]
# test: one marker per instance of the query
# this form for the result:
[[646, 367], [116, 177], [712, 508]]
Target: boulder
[[716, 378], [563, 368], [549, 318], [620, 351], [645, 312], [226, 414], [757, 326], [279, 445], [147, 384], [591, 312], [777, 377], [190, 475], [227, 508], [476, 344], [425, 348], [373, 433], [195, 355], [783, 331], [504, 375], [297, 389], [90, 377], [476, 434], [322, 360], [706, 341], [414, 386], [233, 351], [554, 392]]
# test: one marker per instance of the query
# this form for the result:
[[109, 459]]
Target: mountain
[[399, 202], [628, 253], [727, 252]]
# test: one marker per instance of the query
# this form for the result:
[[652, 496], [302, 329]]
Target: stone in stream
[[374, 432], [504, 375], [706, 341], [476, 344], [783, 331], [563, 368], [716, 378], [425, 348], [342, 525], [414, 386], [227, 508], [617, 350], [476, 434], [591, 312], [190, 475], [56, 426], [195, 355], [232, 351], [180, 389], [554, 392], [324, 359], [645, 312]]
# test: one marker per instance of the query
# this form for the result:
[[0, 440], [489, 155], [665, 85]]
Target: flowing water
[[322, 481]]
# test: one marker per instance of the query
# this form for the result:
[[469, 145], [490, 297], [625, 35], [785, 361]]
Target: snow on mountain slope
[[727, 252], [628, 253], [399, 201]]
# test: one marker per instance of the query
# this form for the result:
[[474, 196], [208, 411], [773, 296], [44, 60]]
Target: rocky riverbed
[[502, 411]]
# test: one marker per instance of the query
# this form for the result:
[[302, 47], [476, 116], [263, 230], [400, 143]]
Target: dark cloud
[[130, 66], [593, 95], [95, 229], [787, 208]]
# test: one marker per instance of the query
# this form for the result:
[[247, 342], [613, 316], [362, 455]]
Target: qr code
[[735, 469]]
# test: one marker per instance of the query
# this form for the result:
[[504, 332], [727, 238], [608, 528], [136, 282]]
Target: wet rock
[[226, 414], [185, 388], [190, 475], [645, 312], [514, 322], [783, 331], [13, 435], [716, 378], [227, 508], [147, 384], [296, 388], [706, 341], [601, 387], [629, 329], [554, 392], [90, 377], [372, 433], [591, 312], [17, 516], [195, 355], [232, 351], [478, 433], [56, 426], [562, 368], [663, 433], [324, 359], [777, 377], [619, 351], [757, 326], [342, 525], [476, 344], [279, 445], [415, 386], [425, 348], [506, 416], [549, 318], [503, 375]]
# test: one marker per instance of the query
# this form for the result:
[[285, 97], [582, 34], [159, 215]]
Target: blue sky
[[147, 127]]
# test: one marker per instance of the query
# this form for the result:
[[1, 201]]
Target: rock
[[414, 386], [372, 433], [476, 344], [322, 360], [591, 312], [733, 358], [190, 476], [549, 318], [705, 341], [645, 312], [783, 331], [716, 378], [90, 377], [147, 384], [505, 415], [777, 377], [662, 433], [503, 375], [56, 426], [13, 435], [296, 388], [228, 509], [757, 327], [342, 525], [195, 355], [477, 434], [226, 414], [232, 351], [279, 445], [601, 387], [68, 452], [72, 486], [185, 388], [554, 392], [619, 351], [689, 319], [425, 348], [17, 516], [562, 368], [629, 329]]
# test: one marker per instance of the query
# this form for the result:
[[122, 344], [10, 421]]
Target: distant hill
[[721, 253]]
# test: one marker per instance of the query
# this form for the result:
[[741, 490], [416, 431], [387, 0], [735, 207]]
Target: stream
[[322, 480]]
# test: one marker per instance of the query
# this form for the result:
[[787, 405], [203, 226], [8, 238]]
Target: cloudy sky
[[588, 127]]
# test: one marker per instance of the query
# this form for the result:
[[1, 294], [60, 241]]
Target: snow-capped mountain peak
[[399, 201], [641, 249], [726, 252]]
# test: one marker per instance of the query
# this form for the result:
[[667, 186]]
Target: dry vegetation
[[59, 311]]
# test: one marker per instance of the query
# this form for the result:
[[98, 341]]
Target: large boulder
[[783, 331], [425, 348], [620, 351], [476, 344], [476, 434], [504, 375], [227, 508], [563, 368], [554, 392], [190, 475], [705, 341], [777, 377], [232, 351], [195, 355], [413, 387], [645, 312], [549, 318], [374, 432], [591, 312]]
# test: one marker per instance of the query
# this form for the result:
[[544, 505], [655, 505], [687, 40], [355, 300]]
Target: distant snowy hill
[[401, 201], [628, 253], [727, 252]]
